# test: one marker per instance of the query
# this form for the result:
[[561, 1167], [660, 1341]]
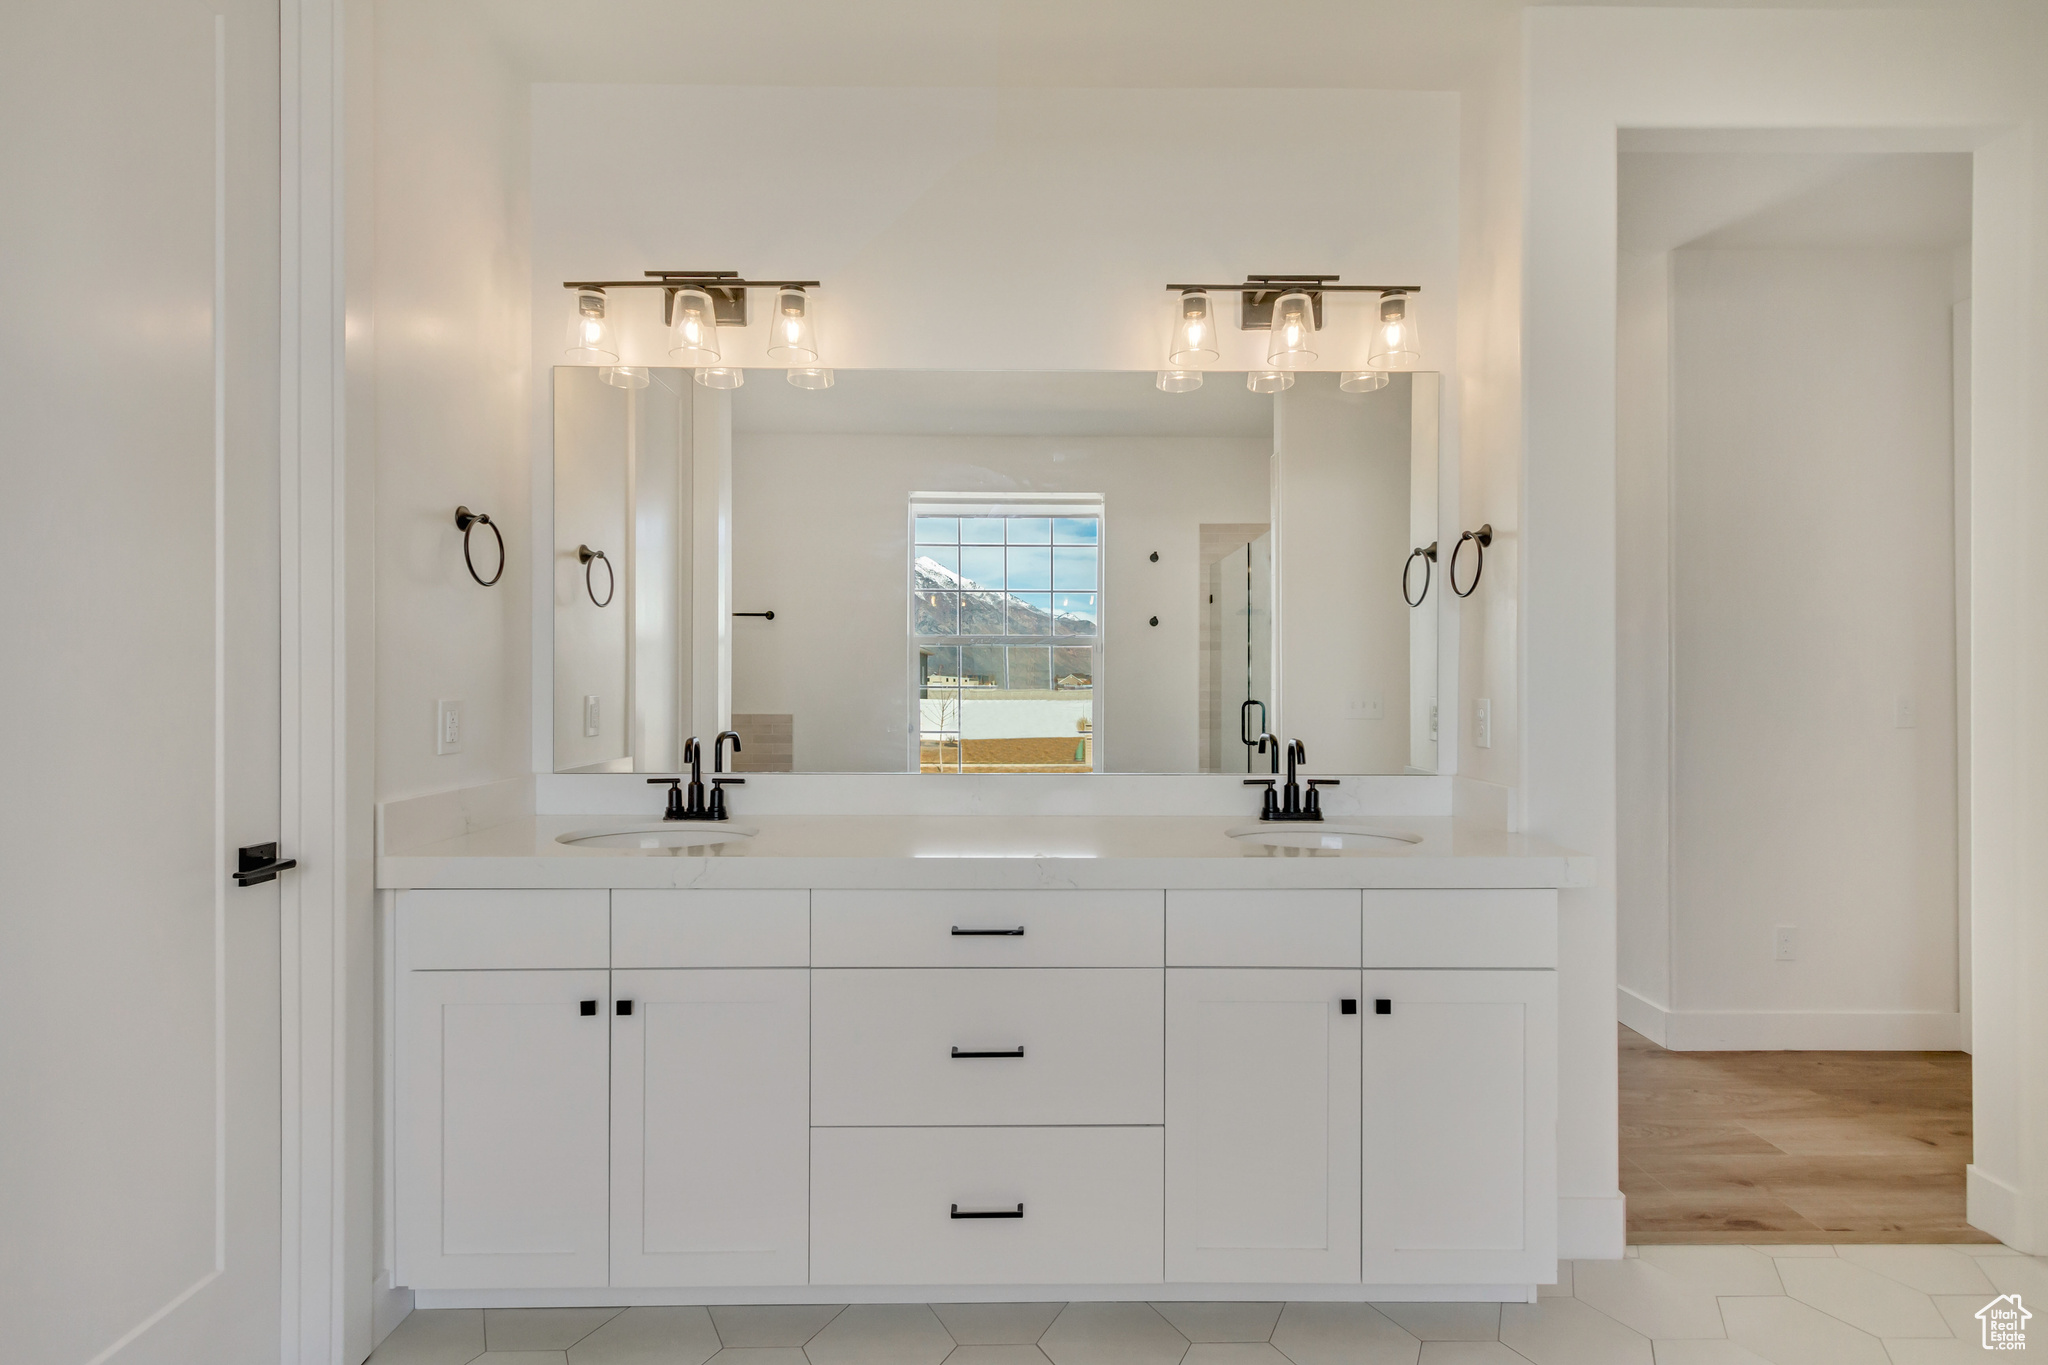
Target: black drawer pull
[[989, 1213], [587, 1008], [1347, 1006], [1382, 1007], [1017, 932], [1018, 1053], [625, 1007]]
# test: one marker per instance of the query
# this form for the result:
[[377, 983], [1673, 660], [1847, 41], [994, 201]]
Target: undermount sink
[[1316, 837], [658, 834]]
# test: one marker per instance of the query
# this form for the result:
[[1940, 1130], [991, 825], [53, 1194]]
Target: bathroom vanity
[[903, 1057]]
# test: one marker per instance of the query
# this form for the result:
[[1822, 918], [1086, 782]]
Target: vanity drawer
[[883, 1044], [711, 928], [883, 1199], [496, 930], [981, 929], [1461, 929], [1262, 929]]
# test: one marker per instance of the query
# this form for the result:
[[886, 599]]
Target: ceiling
[[1725, 199]]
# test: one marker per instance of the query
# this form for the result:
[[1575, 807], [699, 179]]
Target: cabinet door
[[1460, 1126], [502, 1129], [1262, 1078], [711, 1127]]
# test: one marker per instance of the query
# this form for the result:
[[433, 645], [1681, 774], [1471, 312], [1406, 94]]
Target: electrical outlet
[[448, 727], [1905, 711], [1367, 706], [1482, 728], [1785, 943], [590, 713]]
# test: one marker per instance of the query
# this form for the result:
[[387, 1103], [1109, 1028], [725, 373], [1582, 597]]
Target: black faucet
[[1287, 804], [718, 748], [693, 754], [719, 784], [675, 809]]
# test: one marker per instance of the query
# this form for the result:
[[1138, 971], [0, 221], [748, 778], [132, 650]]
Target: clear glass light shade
[[792, 340], [1396, 340], [693, 329], [811, 377], [721, 376], [1180, 381], [591, 340], [1268, 381], [1363, 381], [624, 376], [1293, 343], [1194, 335]]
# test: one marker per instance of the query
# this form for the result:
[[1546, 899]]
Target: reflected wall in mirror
[[1000, 572]]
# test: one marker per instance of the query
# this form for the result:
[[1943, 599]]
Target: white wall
[[1341, 466], [453, 397], [1959, 80], [593, 452], [1813, 596], [820, 526]]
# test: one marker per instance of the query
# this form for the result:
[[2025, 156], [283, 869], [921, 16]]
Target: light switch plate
[[448, 727], [1482, 728], [590, 717], [1785, 943], [1367, 706]]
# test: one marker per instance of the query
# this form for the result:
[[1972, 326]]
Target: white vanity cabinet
[[642, 1091]]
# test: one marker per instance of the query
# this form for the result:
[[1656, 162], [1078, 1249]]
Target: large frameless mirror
[[994, 572]]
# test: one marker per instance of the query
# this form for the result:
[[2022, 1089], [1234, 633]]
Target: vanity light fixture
[[1291, 308], [1396, 341], [694, 305], [591, 340]]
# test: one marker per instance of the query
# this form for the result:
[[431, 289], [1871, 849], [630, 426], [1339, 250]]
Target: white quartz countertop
[[983, 852]]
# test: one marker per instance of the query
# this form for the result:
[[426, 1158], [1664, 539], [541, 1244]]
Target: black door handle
[[1347, 1007], [1017, 932], [1018, 1053], [1382, 1007], [587, 1008], [988, 1213], [259, 863], [625, 1007]]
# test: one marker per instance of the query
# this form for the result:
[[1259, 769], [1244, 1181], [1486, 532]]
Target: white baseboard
[[977, 1293], [1996, 1207], [1592, 1228], [1790, 1030]]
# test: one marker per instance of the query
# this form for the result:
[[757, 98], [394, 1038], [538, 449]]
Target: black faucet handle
[[675, 809], [1324, 782], [657, 781], [728, 781]]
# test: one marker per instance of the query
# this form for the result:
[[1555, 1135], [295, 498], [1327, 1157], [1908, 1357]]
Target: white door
[[139, 1024], [711, 1127], [1262, 1078], [504, 1126], [1460, 1123]]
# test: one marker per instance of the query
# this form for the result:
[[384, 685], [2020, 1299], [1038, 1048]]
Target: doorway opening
[[1792, 531]]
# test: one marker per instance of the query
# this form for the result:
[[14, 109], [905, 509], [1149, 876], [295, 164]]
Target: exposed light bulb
[[793, 342], [1294, 333], [1194, 335], [1180, 381], [590, 333], [1363, 381], [811, 377], [693, 329], [1268, 381], [721, 376], [624, 376], [1396, 341]]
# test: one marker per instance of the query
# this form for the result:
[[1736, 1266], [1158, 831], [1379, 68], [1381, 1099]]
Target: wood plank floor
[[1794, 1146]]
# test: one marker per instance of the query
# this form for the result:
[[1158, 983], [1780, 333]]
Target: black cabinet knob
[[625, 1007], [589, 1008], [1382, 1007], [1348, 1006]]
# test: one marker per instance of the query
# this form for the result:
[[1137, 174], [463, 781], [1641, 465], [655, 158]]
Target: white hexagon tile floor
[[1662, 1305]]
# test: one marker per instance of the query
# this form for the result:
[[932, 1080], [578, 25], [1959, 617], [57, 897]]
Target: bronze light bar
[[727, 290], [1261, 292]]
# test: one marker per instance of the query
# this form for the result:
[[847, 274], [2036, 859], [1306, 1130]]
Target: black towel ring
[[1428, 557], [1482, 538], [611, 580], [465, 521]]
